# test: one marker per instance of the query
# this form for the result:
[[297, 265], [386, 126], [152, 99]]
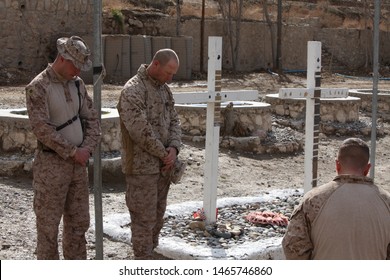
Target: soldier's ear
[[365, 172], [338, 166]]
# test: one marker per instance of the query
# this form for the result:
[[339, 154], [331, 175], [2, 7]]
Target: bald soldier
[[58, 104], [151, 139]]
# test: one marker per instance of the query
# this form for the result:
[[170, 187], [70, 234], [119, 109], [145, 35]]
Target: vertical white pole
[[312, 114], [212, 129]]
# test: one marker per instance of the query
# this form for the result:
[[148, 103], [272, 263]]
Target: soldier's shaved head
[[353, 156], [166, 55]]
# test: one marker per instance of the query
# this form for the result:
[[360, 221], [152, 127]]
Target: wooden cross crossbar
[[309, 93], [205, 96], [313, 93]]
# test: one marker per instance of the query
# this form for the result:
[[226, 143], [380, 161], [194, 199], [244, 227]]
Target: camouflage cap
[[76, 50]]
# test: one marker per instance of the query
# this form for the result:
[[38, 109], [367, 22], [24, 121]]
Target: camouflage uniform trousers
[[60, 189], [146, 198]]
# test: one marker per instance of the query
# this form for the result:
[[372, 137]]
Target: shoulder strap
[[68, 122], [77, 82]]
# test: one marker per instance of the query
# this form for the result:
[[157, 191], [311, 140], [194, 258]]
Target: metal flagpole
[[375, 86], [97, 80]]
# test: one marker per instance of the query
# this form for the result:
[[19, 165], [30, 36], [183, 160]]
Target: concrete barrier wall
[[29, 30], [141, 51], [183, 47], [123, 54], [117, 57], [351, 47]]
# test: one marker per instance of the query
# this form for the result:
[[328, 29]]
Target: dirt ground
[[240, 174]]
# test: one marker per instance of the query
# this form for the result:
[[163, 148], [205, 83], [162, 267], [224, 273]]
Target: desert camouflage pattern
[[310, 236], [51, 102], [60, 188], [147, 218], [149, 124], [60, 184]]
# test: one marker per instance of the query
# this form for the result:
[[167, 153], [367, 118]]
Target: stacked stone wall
[[30, 28]]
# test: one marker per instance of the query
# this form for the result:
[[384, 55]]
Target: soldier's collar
[[353, 178], [55, 77], [154, 82]]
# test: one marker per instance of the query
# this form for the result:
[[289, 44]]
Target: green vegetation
[[119, 19]]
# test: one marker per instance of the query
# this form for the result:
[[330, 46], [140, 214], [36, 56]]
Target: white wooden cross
[[312, 93], [214, 96]]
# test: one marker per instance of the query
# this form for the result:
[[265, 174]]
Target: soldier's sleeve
[[132, 111], [296, 242], [385, 196], [44, 131], [174, 128], [89, 115]]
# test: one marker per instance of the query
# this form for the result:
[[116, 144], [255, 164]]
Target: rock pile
[[232, 227]]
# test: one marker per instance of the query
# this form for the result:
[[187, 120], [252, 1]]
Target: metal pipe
[[97, 174], [178, 17], [279, 40], [202, 36], [375, 86]]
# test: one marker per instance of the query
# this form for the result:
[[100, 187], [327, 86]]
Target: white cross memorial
[[214, 96], [313, 92]]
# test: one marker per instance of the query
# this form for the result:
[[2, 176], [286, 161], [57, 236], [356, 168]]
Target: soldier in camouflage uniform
[[58, 105], [151, 138], [347, 218]]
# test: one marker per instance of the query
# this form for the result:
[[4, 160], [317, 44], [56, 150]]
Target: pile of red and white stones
[[236, 224]]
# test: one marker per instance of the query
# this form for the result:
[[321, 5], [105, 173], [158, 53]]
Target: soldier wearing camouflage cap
[[151, 139], [58, 105], [345, 219]]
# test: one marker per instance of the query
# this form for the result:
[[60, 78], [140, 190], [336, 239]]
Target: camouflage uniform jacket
[[50, 103], [149, 124], [347, 218]]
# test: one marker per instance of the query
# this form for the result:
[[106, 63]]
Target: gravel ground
[[240, 174]]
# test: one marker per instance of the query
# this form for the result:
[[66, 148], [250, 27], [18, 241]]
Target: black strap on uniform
[[77, 82], [68, 122]]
